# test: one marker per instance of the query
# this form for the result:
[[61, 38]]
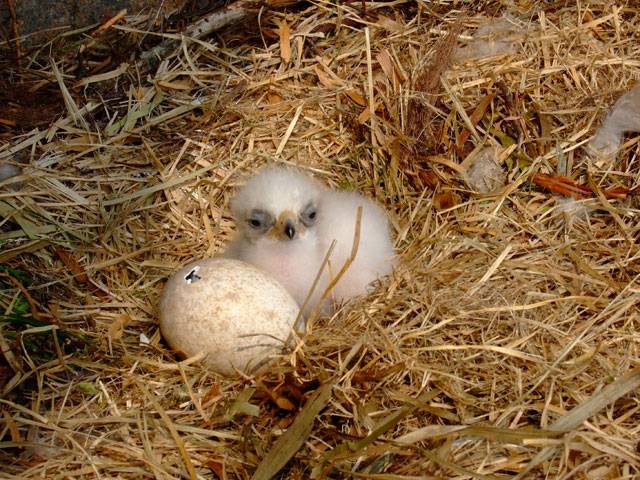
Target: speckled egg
[[234, 313]]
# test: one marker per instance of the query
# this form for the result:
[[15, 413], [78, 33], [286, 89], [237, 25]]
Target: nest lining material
[[507, 343]]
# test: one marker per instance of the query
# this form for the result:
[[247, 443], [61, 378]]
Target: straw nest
[[505, 345]]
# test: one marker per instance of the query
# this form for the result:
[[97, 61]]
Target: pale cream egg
[[229, 310]]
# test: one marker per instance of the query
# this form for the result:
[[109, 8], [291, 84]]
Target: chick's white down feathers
[[287, 221]]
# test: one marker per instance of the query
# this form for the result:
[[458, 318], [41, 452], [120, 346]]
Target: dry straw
[[507, 343]]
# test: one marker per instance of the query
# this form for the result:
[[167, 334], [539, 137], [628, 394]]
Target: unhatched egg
[[231, 311]]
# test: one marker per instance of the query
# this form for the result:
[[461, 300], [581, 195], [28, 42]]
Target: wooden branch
[[216, 20], [109, 23], [14, 30]]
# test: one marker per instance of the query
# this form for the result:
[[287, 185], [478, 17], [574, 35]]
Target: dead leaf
[[177, 85], [274, 98], [370, 374], [389, 24], [386, 62], [475, 117], [116, 329], [569, 188], [430, 178], [595, 29], [325, 79], [13, 428], [397, 151], [78, 271], [446, 200], [285, 422], [284, 403], [285, 42], [217, 467], [75, 144], [356, 97], [364, 116]]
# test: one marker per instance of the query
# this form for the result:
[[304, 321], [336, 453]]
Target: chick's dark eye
[[309, 215], [259, 220]]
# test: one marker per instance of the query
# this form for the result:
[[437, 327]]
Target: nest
[[505, 345]]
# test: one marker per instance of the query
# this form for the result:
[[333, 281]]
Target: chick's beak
[[289, 229], [286, 227]]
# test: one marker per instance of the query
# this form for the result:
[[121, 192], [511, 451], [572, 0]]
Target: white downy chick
[[287, 221]]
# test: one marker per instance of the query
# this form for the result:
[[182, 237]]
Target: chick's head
[[278, 204]]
